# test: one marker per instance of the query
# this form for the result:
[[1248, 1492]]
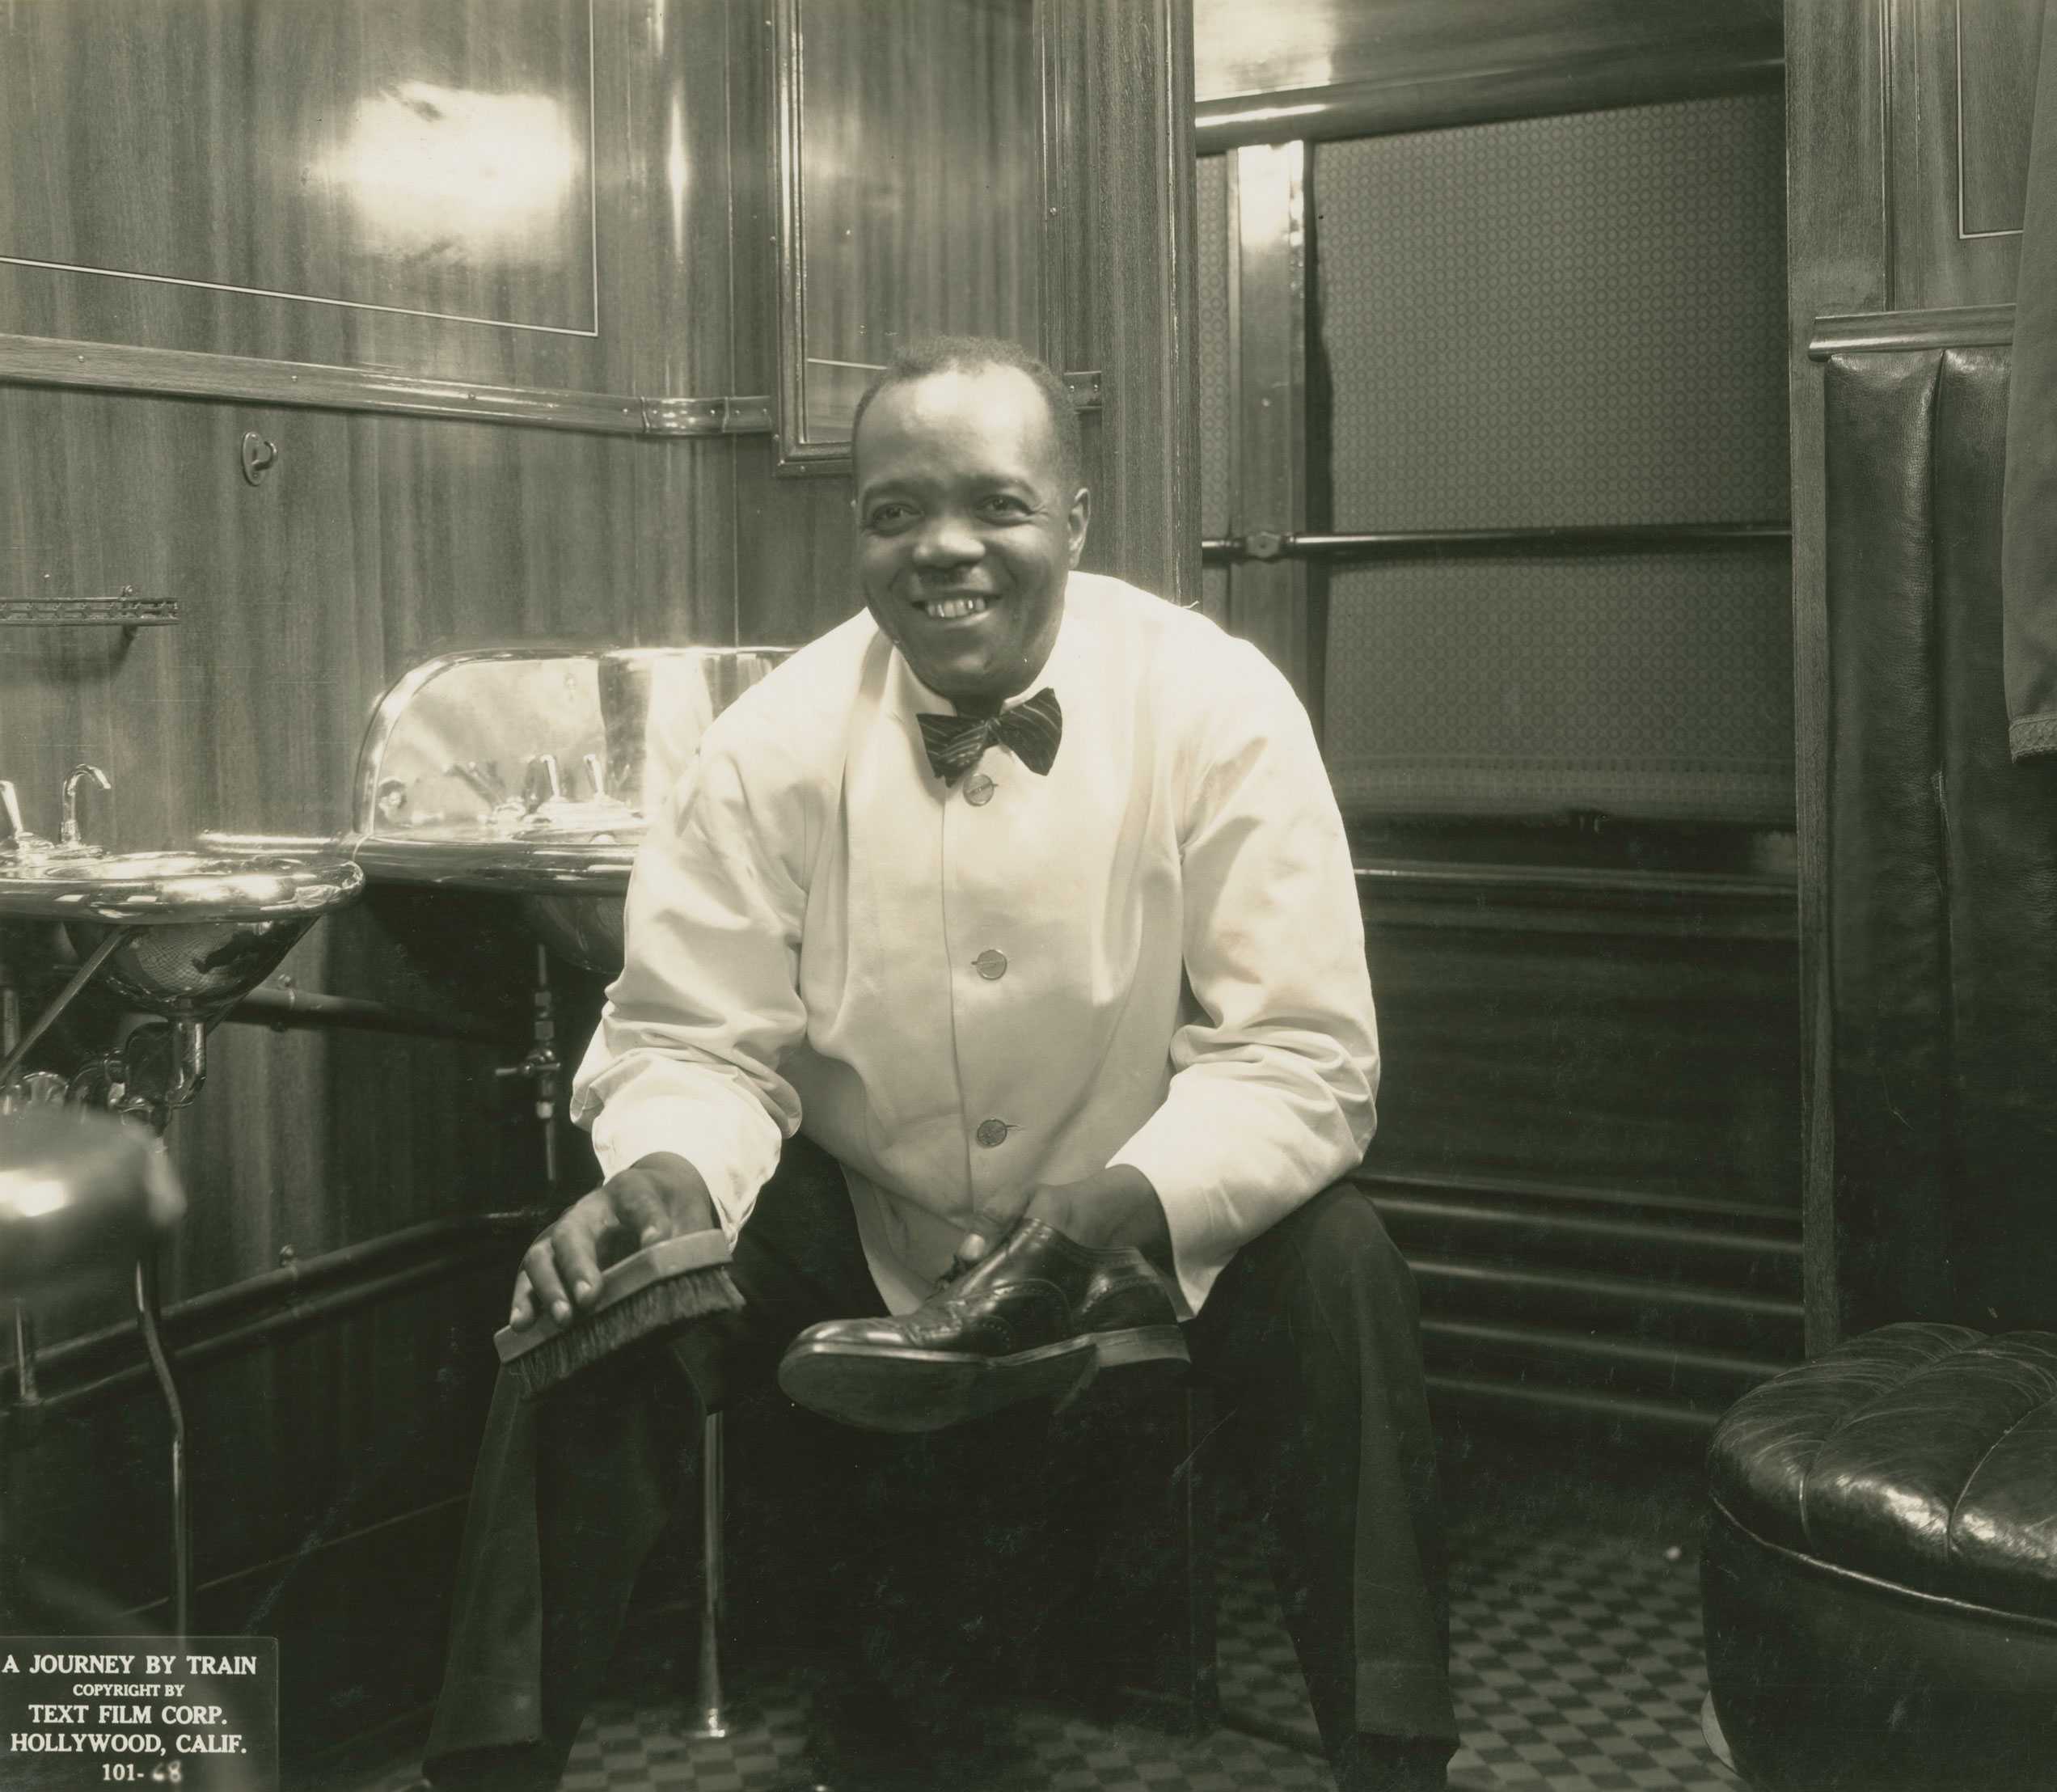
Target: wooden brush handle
[[657, 1262]]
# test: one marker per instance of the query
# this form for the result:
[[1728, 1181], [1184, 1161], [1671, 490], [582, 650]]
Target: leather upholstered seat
[[1879, 1579]]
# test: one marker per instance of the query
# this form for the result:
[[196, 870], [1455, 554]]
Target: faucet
[[16, 841], [543, 784], [68, 839]]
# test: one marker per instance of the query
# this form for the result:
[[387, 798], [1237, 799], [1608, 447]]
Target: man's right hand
[[659, 1197]]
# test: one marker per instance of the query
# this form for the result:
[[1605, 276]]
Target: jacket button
[[991, 1133], [978, 790], [991, 965]]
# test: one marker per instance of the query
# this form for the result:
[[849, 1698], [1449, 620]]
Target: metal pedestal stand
[[710, 1718]]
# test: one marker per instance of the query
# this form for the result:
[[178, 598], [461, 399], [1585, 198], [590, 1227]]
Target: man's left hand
[[1117, 1206]]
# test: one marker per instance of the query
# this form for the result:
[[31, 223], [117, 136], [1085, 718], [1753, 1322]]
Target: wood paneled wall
[[193, 147], [1959, 80], [918, 220], [1124, 99], [1907, 152]]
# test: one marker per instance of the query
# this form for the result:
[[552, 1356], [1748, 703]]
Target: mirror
[[912, 195]]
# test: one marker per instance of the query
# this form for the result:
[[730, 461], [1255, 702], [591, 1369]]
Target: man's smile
[[953, 608]]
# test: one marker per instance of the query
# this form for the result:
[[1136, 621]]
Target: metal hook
[[259, 456]]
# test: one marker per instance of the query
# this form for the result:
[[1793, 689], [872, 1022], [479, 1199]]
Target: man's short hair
[[971, 354]]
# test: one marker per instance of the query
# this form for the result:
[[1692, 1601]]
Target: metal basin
[[463, 780], [198, 930], [567, 889]]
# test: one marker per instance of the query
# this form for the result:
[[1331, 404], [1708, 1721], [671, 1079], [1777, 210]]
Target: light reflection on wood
[[407, 156]]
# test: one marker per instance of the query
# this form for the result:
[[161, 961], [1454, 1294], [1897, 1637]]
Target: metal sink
[[176, 889], [470, 775], [567, 889], [191, 933]]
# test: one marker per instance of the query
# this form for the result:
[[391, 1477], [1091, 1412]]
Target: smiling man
[[995, 979], [970, 516]]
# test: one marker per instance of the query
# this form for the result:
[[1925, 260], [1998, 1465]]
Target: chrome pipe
[[79, 979], [188, 1062], [307, 1293], [1393, 544], [26, 1393], [282, 1004], [548, 1067], [147, 1300], [710, 1720]]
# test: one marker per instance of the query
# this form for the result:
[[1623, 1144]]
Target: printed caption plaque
[[79, 1712]]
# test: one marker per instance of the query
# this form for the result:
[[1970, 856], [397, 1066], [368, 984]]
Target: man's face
[[965, 532]]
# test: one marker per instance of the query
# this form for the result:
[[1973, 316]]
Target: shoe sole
[[888, 1388]]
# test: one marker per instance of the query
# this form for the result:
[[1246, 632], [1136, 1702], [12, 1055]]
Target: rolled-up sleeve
[[1273, 1084], [685, 1056]]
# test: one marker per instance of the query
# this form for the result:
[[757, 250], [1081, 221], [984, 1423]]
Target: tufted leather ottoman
[[1879, 1581]]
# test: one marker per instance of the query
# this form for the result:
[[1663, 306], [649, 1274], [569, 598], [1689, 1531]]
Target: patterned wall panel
[[1646, 684], [1216, 240], [1568, 320]]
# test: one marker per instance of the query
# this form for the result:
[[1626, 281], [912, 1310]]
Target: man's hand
[[1117, 1206], [658, 1197]]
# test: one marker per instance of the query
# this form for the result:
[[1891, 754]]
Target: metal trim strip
[[191, 373], [1892, 332], [1406, 101]]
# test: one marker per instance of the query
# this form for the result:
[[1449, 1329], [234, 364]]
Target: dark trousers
[[1309, 1340]]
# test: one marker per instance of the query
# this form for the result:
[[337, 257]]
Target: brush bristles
[[656, 1309]]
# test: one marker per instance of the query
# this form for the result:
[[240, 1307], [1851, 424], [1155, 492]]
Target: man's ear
[[1076, 520]]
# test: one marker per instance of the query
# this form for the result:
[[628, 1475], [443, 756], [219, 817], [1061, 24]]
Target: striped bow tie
[[1029, 731]]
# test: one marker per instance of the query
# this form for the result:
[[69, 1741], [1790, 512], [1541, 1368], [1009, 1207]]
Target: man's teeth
[[953, 609]]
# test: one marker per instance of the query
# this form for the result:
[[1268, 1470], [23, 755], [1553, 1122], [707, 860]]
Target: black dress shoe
[[1039, 1316]]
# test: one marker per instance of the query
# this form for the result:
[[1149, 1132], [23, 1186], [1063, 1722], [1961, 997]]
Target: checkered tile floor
[[1575, 1650], [641, 1745], [626, 1746]]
